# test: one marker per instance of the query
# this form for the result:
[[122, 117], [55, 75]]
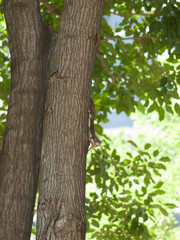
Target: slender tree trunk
[[29, 46], [61, 209]]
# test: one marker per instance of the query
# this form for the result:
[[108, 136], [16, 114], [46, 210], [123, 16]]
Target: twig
[[105, 66], [99, 55], [120, 180], [133, 14], [114, 164], [157, 64], [51, 7], [107, 69], [119, 38]]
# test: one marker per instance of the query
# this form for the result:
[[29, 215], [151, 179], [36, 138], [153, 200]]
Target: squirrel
[[94, 141]]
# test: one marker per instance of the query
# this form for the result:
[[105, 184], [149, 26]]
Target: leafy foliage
[[51, 14], [4, 75], [127, 60], [125, 192]]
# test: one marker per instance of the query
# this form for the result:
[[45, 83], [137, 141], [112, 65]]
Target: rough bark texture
[[61, 209], [29, 45]]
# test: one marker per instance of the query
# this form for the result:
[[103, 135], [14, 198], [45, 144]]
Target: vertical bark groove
[[61, 210]]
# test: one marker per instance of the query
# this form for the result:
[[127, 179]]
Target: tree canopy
[[129, 76]]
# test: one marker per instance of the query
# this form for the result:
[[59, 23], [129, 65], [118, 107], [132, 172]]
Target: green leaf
[[126, 162], [147, 180], [155, 27], [145, 153], [88, 178], [170, 205], [157, 172], [177, 108], [169, 109], [147, 146], [144, 190], [145, 217], [155, 153], [159, 184], [136, 181], [161, 114], [164, 159], [132, 143], [129, 154], [173, 94], [153, 107], [151, 164], [163, 211], [160, 166], [140, 107], [163, 81], [138, 212], [95, 223], [113, 153], [159, 192]]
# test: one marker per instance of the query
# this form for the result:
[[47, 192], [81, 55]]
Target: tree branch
[[114, 164], [119, 38], [132, 14], [51, 7], [157, 64], [99, 55], [107, 69]]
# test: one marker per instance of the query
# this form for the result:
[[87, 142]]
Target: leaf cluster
[[128, 74], [4, 75], [125, 191]]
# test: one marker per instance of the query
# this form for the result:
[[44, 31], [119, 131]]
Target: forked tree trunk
[[61, 209], [29, 46]]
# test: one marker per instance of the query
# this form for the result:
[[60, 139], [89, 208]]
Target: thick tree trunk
[[29, 45], [61, 209]]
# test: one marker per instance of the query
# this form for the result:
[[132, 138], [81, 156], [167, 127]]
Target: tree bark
[[61, 208], [29, 43]]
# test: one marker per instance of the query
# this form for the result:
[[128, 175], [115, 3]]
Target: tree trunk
[[29, 46], [61, 208]]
